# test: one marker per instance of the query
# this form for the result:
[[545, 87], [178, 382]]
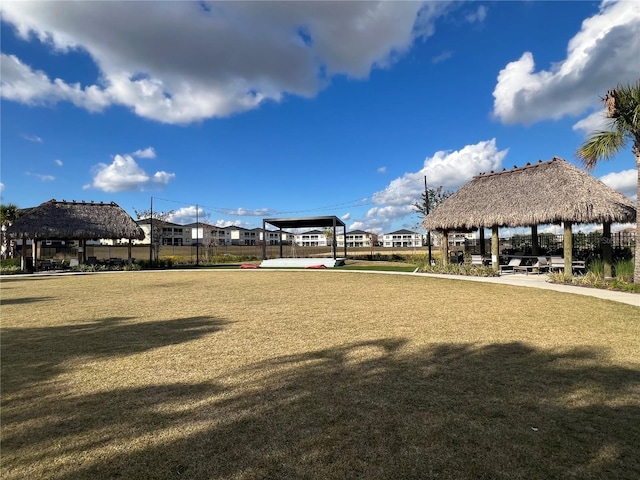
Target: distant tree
[[623, 111], [328, 233], [9, 213], [157, 223], [435, 196]]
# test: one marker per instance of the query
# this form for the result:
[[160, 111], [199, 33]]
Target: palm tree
[[623, 111], [9, 213]]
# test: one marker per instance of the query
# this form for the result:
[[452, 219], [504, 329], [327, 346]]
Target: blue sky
[[258, 109]]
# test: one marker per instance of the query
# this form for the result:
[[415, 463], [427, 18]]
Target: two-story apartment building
[[168, 233], [402, 238], [312, 238], [357, 238]]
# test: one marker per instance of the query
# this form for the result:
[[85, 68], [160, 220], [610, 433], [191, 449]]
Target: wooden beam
[[568, 249]]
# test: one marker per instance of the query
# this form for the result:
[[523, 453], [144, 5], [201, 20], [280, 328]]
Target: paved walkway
[[540, 281]]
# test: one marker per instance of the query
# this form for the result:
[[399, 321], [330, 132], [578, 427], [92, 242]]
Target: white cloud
[[228, 223], [1, 187], [596, 122], [231, 57], [382, 170], [22, 84], [447, 54], [242, 212], [601, 55], [445, 168], [188, 214], [32, 138], [346, 216], [148, 152], [58, 162], [124, 174], [478, 16], [450, 169], [43, 177], [625, 182]]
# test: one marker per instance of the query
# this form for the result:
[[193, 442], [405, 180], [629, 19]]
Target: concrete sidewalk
[[540, 281]]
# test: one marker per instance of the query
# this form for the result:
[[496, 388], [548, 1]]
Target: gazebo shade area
[[331, 221], [551, 192], [81, 221]]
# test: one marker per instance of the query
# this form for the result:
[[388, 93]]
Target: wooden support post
[[482, 245], [534, 240], [23, 253], [607, 256], [568, 249], [34, 253], [445, 247], [495, 248]]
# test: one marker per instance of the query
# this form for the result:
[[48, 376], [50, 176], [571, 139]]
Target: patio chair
[[556, 264], [514, 262], [540, 265], [477, 260], [579, 266]]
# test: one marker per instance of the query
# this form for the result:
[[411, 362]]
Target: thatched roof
[[76, 220], [546, 192]]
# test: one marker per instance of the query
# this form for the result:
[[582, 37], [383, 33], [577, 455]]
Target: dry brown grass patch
[[266, 374]]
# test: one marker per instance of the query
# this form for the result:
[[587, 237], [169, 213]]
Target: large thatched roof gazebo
[[74, 221], [550, 192]]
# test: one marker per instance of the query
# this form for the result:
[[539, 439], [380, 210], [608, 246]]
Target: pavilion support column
[[34, 253], [80, 251], [534, 240], [495, 248], [264, 240], [607, 256], [23, 253], [129, 252], [568, 249], [483, 247], [445, 247]]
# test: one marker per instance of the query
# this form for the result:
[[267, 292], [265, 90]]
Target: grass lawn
[[313, 375]]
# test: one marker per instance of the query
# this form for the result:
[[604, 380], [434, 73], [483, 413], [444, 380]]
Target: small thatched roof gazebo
[[542, 193], [75, 221]]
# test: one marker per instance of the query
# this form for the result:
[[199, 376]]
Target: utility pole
[[426, 201]]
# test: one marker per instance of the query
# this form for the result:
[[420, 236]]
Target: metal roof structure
[[305, 222]]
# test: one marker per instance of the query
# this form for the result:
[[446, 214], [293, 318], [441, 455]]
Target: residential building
[[312, 238], [357, 238], [402, 238]]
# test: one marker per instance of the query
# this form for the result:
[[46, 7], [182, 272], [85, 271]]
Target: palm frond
[[601, 146]]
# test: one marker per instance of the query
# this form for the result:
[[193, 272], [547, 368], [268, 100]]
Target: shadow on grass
[[25, 300], [36, 355], [370, 410]]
